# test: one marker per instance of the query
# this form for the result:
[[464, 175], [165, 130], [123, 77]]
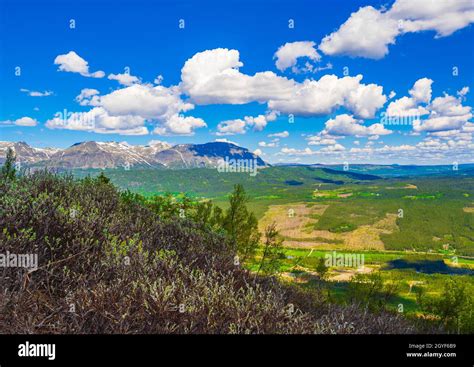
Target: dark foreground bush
[[109, 265]]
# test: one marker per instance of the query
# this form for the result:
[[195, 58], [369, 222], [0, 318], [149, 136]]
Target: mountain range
[[100, 155]]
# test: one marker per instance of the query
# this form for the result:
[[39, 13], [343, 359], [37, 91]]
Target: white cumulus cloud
[[287, 55], [368, 32], [213, 77], [99, 121], [240, 126], [179, 125], [446, 113], [23, 121], [323, 96], [347, 125], [124, 79], [73, 63]]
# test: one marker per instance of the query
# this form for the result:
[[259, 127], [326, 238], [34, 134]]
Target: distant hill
[[287, 182], [394, 170], [26, 153], [101, 155], [161, 155], [354, 175]]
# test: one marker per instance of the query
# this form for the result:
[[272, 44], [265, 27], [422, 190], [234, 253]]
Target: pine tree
[[102, 178], [272, 251], [321, 268], [8, 169], [240, 225]]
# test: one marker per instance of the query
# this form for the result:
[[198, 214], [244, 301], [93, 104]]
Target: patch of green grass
[[424, 196], [347, 215], [314, 239]]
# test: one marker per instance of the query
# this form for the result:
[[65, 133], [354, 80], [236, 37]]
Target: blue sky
[[343, 65]]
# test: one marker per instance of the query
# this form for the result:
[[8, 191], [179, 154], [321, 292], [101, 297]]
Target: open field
[[300, 267], [298, 225]]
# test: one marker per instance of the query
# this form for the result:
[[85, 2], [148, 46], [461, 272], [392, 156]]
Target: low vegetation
[[112, 261]]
